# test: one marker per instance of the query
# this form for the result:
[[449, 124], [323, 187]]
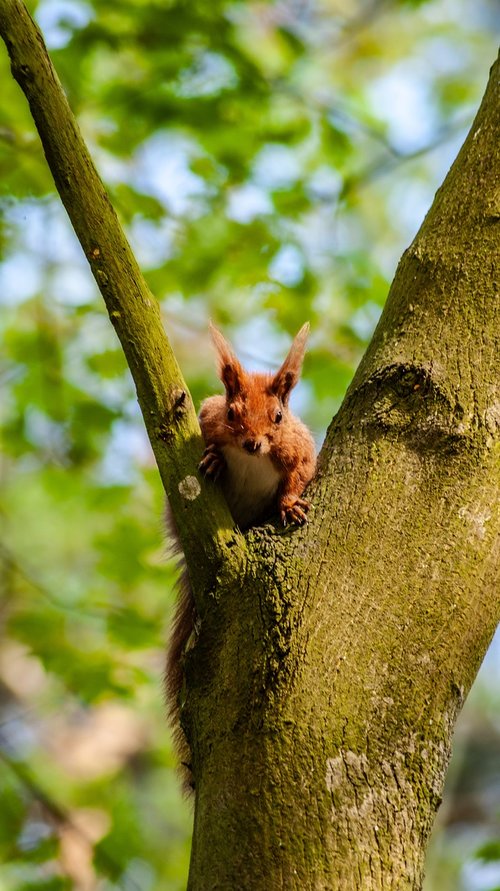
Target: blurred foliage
[[271, 161]]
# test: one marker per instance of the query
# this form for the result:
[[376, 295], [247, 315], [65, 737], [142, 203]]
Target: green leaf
[[490, 851]]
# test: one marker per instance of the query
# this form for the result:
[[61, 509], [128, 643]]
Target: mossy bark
[[332, 660], [323, 694]]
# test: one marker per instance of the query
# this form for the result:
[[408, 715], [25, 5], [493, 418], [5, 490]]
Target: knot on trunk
[[408, 402]]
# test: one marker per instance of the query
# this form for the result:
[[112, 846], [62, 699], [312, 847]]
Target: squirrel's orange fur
[[261, 455]]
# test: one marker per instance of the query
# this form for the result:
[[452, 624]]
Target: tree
[[332, 710]]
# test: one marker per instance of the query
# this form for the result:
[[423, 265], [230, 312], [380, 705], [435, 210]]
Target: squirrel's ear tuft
[[288, 375], [229, 368]]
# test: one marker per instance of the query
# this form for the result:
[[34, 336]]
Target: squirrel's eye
[[230, 414], [279, 416]]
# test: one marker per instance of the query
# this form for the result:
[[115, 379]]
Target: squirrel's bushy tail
[[183, 626]]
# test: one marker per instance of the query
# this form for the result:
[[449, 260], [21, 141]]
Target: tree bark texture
[[332, 660], [326, 681]]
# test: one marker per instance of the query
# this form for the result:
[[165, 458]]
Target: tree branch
[[442, 312], [203, 520]]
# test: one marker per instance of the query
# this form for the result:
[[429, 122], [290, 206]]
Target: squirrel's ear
[[229, 368], [288, 375]]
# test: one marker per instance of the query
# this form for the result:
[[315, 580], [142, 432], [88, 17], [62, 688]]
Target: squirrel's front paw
[[294, 510], [212, 463]]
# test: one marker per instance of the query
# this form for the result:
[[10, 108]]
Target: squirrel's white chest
[[250, 484]]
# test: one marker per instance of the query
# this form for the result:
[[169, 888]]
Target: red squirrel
[[260, 452], [263, 458]]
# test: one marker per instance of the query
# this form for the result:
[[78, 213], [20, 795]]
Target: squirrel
[[263, 457]]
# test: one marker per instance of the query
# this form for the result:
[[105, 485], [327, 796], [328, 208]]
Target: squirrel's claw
[[212, 463], [294, 510]]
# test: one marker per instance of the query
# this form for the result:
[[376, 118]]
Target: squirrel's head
[[257, 404]]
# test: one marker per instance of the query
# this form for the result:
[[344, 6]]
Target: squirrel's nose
[[251, 445]]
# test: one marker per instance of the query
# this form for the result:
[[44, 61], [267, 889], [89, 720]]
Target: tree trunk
[[328, 676], [332, 660]]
